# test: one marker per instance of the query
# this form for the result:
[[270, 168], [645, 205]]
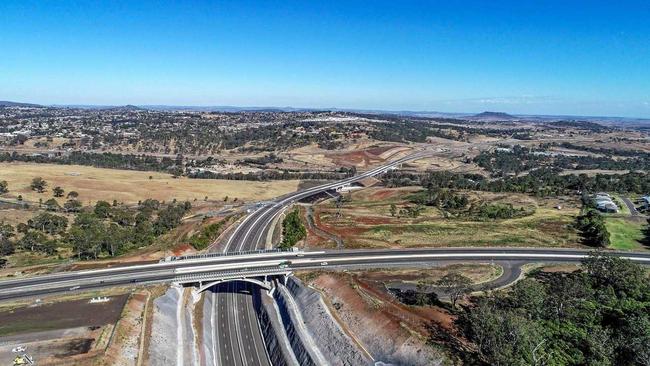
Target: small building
[[646, 201], [604, 203], [607, 207]]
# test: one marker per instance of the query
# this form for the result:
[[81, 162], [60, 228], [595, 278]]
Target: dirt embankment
[[172, 338], [391, 332]]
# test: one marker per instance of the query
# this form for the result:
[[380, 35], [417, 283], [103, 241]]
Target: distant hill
[[125, 108], [4, 103], [494, 116]]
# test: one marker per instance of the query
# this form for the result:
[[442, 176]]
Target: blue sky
[[538, 57]]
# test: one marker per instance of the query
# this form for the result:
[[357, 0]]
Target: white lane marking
[[461, 255], [215, 340]]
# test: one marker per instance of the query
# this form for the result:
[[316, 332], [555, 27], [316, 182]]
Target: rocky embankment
[[315, 336]]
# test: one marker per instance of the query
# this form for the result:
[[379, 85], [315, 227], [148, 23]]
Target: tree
[[49, 223], [6, 230], [592, 229], [38, 185], [72, 206], [22, 228], [72, 195], [52, 205], [36, 241], [4, 187], [456, 286], [102, 209], [393, 209], [58, 191], [6, 247]]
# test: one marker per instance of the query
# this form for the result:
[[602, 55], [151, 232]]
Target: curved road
[[233, 315]]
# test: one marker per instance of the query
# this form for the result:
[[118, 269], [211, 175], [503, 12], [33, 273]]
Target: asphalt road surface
[[253, 265], [630, 205], [240, 316]]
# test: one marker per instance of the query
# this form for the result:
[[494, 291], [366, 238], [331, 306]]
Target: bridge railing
[[227, 254], [224, 275]]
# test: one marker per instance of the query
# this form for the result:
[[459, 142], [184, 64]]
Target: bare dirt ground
[[361, 154], [59, 315], [389, 330], [68, 332]]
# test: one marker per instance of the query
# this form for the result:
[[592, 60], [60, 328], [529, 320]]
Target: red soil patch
[[379, 150], [357, 158], [382, 194], [373, 220], [183, 249], [314, 239]]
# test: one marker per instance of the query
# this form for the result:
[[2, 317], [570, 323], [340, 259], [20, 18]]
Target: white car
[[74, 288], [18, 349], [323, 263]]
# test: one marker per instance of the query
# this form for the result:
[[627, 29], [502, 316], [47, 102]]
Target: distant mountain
[[494, 116], [125, 108], [4, 103]]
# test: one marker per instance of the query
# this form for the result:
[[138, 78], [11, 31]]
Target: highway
[[255, 265], [236, 334], [249, 235]]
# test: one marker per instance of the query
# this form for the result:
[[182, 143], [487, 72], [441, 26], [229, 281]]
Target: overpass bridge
[[260, 265]]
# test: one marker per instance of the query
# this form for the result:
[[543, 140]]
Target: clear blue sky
[[544, 57]]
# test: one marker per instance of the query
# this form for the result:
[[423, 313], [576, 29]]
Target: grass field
[[129, 186], [625, 234], [366, 222]]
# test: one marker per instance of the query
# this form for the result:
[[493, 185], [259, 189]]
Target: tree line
[[540, 182]]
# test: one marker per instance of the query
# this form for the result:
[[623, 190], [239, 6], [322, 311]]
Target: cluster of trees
[[459, 205], [293, 229], [519, 159], [113, 229], [599, 315], [103, 230], [442, 198], [540, 182], [495, 211], [591, 225], [103, 160]]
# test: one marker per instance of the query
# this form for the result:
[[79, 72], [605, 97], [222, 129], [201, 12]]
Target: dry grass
[[131, 186], [366, 222]]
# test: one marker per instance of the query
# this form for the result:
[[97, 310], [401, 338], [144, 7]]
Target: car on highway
[[74, 288], [323, 263]]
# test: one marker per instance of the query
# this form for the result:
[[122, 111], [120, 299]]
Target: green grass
[[624, 234], [623, 207]]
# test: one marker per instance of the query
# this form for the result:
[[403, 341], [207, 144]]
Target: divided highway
[[240, 316], [256, 264], [236, 335]]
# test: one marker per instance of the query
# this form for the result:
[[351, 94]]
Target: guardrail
[[227, 254], [219, 275]]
